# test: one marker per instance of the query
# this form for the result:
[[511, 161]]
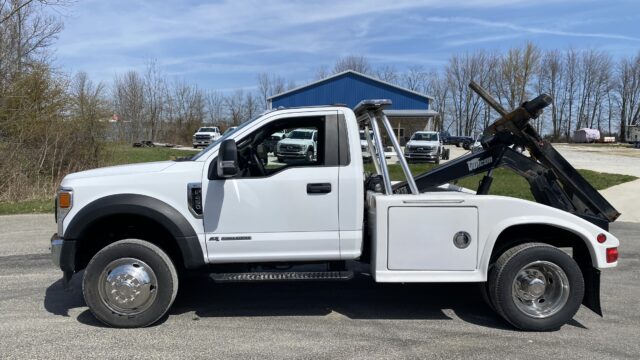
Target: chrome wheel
[[127, 286], [540, 289]]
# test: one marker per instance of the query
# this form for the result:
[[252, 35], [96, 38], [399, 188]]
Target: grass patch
[[508, 183], [27, 207]]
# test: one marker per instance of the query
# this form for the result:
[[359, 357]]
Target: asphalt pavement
[[355, 319]]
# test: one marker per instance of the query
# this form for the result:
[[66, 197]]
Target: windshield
[[225, 136], [230, 130], [208, 129], [299, 134], [425, 137]]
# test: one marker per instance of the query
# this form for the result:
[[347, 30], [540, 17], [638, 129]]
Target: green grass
[[505, 182], [27, 207], [508, 183]]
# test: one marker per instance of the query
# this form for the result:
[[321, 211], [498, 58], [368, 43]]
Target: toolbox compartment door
[[422, 238]]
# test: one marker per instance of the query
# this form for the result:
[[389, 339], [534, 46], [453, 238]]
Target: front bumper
[[63, 253], [424, 156], [291, 155], [201, 142]]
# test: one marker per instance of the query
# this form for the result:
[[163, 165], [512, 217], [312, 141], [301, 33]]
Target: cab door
[[288, 211]]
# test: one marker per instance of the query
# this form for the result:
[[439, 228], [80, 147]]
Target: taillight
[[612, 255], [601, 238]]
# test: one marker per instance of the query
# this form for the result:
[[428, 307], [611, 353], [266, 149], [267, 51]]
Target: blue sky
[[225, 44]]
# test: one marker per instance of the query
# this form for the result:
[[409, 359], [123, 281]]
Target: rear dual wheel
[[535, 287]]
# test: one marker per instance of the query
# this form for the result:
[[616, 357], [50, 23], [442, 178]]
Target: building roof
[[410, 113], [327, 79]]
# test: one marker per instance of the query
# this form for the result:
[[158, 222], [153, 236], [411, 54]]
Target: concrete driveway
[[356, 319]]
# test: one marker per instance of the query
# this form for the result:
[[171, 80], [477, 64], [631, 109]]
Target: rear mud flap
[[592, 289]]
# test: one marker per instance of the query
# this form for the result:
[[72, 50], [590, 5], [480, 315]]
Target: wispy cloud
[[528, 29], [226, 42]]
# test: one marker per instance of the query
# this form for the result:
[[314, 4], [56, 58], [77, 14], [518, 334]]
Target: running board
[[282, 276]]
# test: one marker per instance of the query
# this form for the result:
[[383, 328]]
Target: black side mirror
[[228, 159]]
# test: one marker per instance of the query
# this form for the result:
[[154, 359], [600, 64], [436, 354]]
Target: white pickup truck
[[205, 136], [133, 228]]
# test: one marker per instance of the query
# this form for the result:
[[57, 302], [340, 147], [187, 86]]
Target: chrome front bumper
[[56, 249]]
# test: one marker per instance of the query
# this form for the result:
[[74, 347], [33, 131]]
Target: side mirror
[[228, 159]]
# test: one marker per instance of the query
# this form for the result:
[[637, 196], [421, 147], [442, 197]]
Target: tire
[[544, 308], [131, 259], [280, 159], [437, 161], [447, 153], [309, 156]]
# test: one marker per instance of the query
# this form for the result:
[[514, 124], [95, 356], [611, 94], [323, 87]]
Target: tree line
[[53, 123]]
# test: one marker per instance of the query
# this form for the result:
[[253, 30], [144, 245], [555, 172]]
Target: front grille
[[422, 149], [203, 137], [289, 147]]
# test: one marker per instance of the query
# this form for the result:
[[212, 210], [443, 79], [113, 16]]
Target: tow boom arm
[[552, 179]]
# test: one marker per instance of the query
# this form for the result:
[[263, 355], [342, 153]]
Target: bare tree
[[466, 106], [269, 85], [387, 73], [552, 76], [356, 63], [26, 32], [235, 106], [414, 79], [155, 94], [321, 72], [215, 107], [627, 87], [129, 104]]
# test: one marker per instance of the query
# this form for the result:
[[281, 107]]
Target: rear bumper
[[63, 253]]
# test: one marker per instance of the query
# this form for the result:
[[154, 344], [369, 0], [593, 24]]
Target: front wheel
[[536, 287], [130, 283]]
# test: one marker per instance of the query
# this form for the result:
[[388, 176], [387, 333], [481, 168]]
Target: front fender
[[141, 205]]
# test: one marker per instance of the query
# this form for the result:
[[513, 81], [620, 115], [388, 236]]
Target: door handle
[[319, 188]]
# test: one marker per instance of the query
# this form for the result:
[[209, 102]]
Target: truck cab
[[227, 211]]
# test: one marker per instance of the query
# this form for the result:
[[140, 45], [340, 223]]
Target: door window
[[282, 144]]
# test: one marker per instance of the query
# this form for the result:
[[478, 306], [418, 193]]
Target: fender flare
[[146, 206]]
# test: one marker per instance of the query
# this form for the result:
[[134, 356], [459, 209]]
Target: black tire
[[309, 156], [505, 271], [153, 257], [437, 162]]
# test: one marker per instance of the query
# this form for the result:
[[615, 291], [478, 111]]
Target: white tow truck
[[133, 228]]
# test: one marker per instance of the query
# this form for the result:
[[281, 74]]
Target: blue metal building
[[409, 112]]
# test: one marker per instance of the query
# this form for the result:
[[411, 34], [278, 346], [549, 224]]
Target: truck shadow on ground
[[360, 298]]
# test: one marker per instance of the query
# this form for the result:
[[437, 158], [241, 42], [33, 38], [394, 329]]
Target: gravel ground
[[356, 319]]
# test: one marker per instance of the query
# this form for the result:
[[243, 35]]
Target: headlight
[[64, 203]]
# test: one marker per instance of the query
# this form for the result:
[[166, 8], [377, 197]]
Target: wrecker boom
[[552, 179]]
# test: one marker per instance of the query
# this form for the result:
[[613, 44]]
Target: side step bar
[[282, 276]]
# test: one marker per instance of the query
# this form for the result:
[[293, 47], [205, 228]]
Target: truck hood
[[423, 143], [295, 142], [131, 169]]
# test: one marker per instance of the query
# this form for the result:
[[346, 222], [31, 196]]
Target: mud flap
[[592, 289]]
